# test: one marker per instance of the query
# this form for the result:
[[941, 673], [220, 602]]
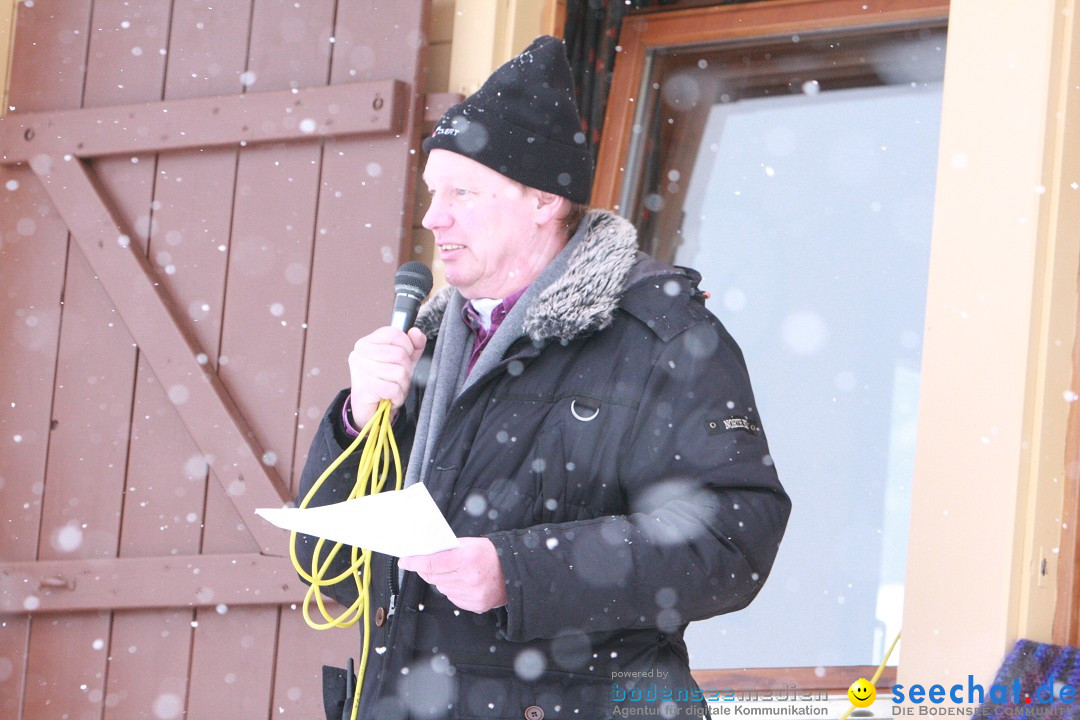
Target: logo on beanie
[[444, 131]]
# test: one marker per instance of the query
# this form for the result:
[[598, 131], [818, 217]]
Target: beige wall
[[492, 31], [7, 45], [1000, 326]]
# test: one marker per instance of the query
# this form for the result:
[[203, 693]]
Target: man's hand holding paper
[[405, 522]]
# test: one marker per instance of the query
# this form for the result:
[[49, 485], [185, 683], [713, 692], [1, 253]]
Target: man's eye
[[462, 192]]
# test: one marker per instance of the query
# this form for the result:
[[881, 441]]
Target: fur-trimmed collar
[[583, 298]]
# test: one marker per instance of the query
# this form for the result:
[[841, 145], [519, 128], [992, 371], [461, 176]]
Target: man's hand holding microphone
[[382, 363], [381, 367]]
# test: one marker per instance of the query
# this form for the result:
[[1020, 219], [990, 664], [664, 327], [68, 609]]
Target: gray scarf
[[447, 375]]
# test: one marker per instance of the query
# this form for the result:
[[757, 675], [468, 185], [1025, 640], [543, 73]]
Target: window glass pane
[[799, 181]]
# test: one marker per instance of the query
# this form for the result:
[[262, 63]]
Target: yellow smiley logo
[[862, 693]]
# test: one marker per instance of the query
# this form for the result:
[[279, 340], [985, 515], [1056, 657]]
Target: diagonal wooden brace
[[207, 410]]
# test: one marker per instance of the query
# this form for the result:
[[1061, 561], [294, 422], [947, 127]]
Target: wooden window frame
[[645, 33], [1066, 629]]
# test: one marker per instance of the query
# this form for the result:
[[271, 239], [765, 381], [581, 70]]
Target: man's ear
[[549, 206]]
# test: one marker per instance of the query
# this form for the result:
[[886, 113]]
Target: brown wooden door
[[201, 208]]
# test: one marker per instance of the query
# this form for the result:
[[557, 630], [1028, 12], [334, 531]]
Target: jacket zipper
[[393, 589]]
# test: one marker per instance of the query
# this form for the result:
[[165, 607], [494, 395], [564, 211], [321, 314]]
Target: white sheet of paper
[[399, 523]]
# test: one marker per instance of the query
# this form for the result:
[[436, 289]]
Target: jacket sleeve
[[329, 442], [705, 512]]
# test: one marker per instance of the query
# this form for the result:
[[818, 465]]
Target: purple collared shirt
[[480, 340], [480, 335]]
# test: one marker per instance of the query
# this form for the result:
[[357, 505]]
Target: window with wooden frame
[[787, 149]]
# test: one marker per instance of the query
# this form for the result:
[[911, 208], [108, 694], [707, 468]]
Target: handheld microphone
[[412, 283]]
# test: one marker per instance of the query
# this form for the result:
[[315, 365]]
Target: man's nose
[[436, 215]]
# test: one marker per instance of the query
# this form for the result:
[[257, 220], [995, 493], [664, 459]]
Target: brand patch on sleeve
[[717, 425]]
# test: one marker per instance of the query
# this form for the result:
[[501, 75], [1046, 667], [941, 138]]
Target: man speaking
[[586, 426]]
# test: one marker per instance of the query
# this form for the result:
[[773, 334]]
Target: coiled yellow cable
[[371, 476]]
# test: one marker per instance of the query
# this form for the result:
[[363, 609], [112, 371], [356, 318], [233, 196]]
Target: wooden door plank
[[55, 688], [33, 252], [274, 232], [301, 653], [166, 469], [166, 484], [262, 329], [357, 253], [290, 44], [236, 676], [192, 206], [95, 417], [308, 113], [14, 645], [85, 480], [144, 678], [126, 62], [49, 40], [269, 272], [209, 413], [193, 199], [208, 50], [166, 479], [194, 195], [49, 52]]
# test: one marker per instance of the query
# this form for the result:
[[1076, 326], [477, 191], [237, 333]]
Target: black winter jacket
[[616, 460]]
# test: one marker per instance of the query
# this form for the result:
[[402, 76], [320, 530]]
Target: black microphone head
[[413, 277], [412, 283]]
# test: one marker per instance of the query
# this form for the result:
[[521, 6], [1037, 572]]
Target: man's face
[[485, 227]]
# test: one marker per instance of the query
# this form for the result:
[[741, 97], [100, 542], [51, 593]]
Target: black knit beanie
[[523, 123]]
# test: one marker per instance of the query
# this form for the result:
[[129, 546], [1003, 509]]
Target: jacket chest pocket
[[574, 460]]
